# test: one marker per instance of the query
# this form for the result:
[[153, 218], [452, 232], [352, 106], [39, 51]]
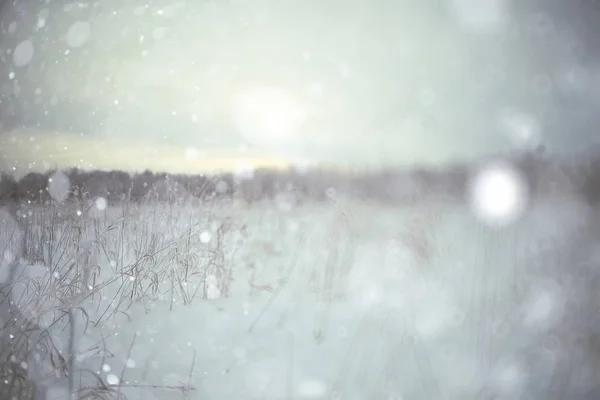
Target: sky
[[194, 86]]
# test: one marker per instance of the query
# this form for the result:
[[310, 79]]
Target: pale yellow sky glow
[[32, 150]]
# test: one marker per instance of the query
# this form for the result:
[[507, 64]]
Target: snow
[[545, 306], [23, 53], [79, 33], [490, 299], [322, 301], [12, 27], [101, 203], [59, 186], [574, 79], [112, 379], [508, 378], [221, 187], [57, 393], [205, 237], [42, 18], [523, 130], [10, 243], [498, 193]]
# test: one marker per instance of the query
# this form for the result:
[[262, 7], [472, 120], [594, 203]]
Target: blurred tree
[[9, 189], [32, 187]]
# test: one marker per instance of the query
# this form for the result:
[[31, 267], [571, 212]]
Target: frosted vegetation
[[492, 297]]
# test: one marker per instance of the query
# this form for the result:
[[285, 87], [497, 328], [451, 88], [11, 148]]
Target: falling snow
[[10, 237], [221, 187], [205, 237], [290, 298], [79, 33], [23, 53], [101, 203], [523, 130], [112, 379], [498, 194], [59, 186]]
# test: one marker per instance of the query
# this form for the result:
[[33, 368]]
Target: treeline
[[544, 178], [313, 185], [117, 185]]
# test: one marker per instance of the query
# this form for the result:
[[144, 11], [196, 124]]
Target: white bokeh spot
[[205, 237], [79, 33], [212, 288], [101, 203], [10, 243], [221, 187], [23, 53], [59, 186], [498, 194], [523, 130], [112, 379], [544, 306], [508, 377]]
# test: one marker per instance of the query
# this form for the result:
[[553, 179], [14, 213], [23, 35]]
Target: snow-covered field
[[342, 301]]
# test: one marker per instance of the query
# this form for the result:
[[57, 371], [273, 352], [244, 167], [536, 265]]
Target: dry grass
[[133, 254], [96, 268]]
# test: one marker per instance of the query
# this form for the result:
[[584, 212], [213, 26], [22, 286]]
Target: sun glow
[[267, 115]]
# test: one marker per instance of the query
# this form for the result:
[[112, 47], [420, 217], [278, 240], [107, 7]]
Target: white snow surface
[[354, 301]]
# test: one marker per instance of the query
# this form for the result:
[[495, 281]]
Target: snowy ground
[[351, 301]]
